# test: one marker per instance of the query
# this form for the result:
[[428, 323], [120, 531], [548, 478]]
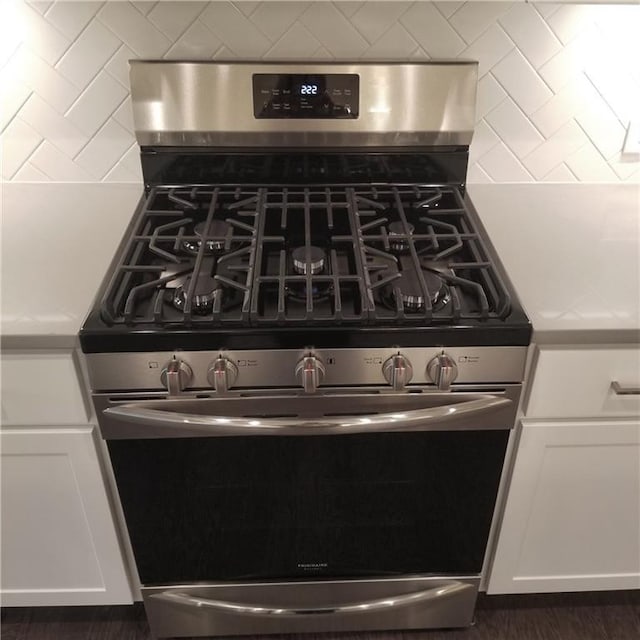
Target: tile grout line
[[604, 99], [106, 26], [17, 112], [391, 25], [55, 67], [526, 115], [495, 22], [566, 166], [29, 158], [593, 144], [535, 68], [54, 28], [101, 127], [280, 38], [144, 15], [175, 40], [515, 155], [257, 26], [104, 66], [534, 6]]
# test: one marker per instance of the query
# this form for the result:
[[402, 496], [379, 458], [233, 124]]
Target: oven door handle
[[367, 606], [451, 416]]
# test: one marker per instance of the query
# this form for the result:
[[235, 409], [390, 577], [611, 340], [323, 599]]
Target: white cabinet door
[[59, 544], [572, 517]]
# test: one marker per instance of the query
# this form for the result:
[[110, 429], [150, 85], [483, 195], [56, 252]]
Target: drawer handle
[[370, 606], [619, 390]]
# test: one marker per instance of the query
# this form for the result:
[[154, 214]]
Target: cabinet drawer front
[[41, 389], [580, 383]]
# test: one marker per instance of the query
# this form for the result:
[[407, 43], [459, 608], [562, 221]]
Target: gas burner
[[411, 293], [204, 295], [315, 264], [319, 291], [398, 239], [218, 228]]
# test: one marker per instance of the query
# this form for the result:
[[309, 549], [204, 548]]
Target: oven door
[[368, 487]]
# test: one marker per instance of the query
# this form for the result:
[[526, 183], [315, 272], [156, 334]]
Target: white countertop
[[571, 251], [573, 254], [57, 242]]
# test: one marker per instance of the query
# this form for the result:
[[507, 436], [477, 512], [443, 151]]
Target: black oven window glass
[[202, 509]]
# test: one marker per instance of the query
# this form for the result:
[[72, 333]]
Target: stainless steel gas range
[[306, 359]]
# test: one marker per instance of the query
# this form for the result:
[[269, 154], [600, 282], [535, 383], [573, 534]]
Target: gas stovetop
[[314, 255], [329, 258], [276, 219]]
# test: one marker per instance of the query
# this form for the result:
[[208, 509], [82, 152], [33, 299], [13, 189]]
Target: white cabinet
[[59, 544], [574, 383], [571, 520]]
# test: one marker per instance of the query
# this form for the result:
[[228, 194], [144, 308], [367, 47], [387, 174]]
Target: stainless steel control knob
[[222, 374], [397, 371], [443, 371], [310, 372], [176, 376]]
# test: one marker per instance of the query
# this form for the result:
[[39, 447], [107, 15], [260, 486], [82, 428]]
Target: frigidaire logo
[[311, 566]]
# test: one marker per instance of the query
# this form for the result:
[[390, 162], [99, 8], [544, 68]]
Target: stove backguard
[[207, 123], [368, 105]]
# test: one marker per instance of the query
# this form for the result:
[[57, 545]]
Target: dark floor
[[586, 616]]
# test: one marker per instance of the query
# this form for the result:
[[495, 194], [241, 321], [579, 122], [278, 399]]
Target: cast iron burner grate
[[314, 254]]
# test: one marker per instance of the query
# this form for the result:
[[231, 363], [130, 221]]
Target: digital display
[[306, 95]]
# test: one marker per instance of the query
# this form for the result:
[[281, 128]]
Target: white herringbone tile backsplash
[[559, 83]]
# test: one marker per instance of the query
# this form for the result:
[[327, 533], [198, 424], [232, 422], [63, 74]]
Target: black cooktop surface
[[260, 265]]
